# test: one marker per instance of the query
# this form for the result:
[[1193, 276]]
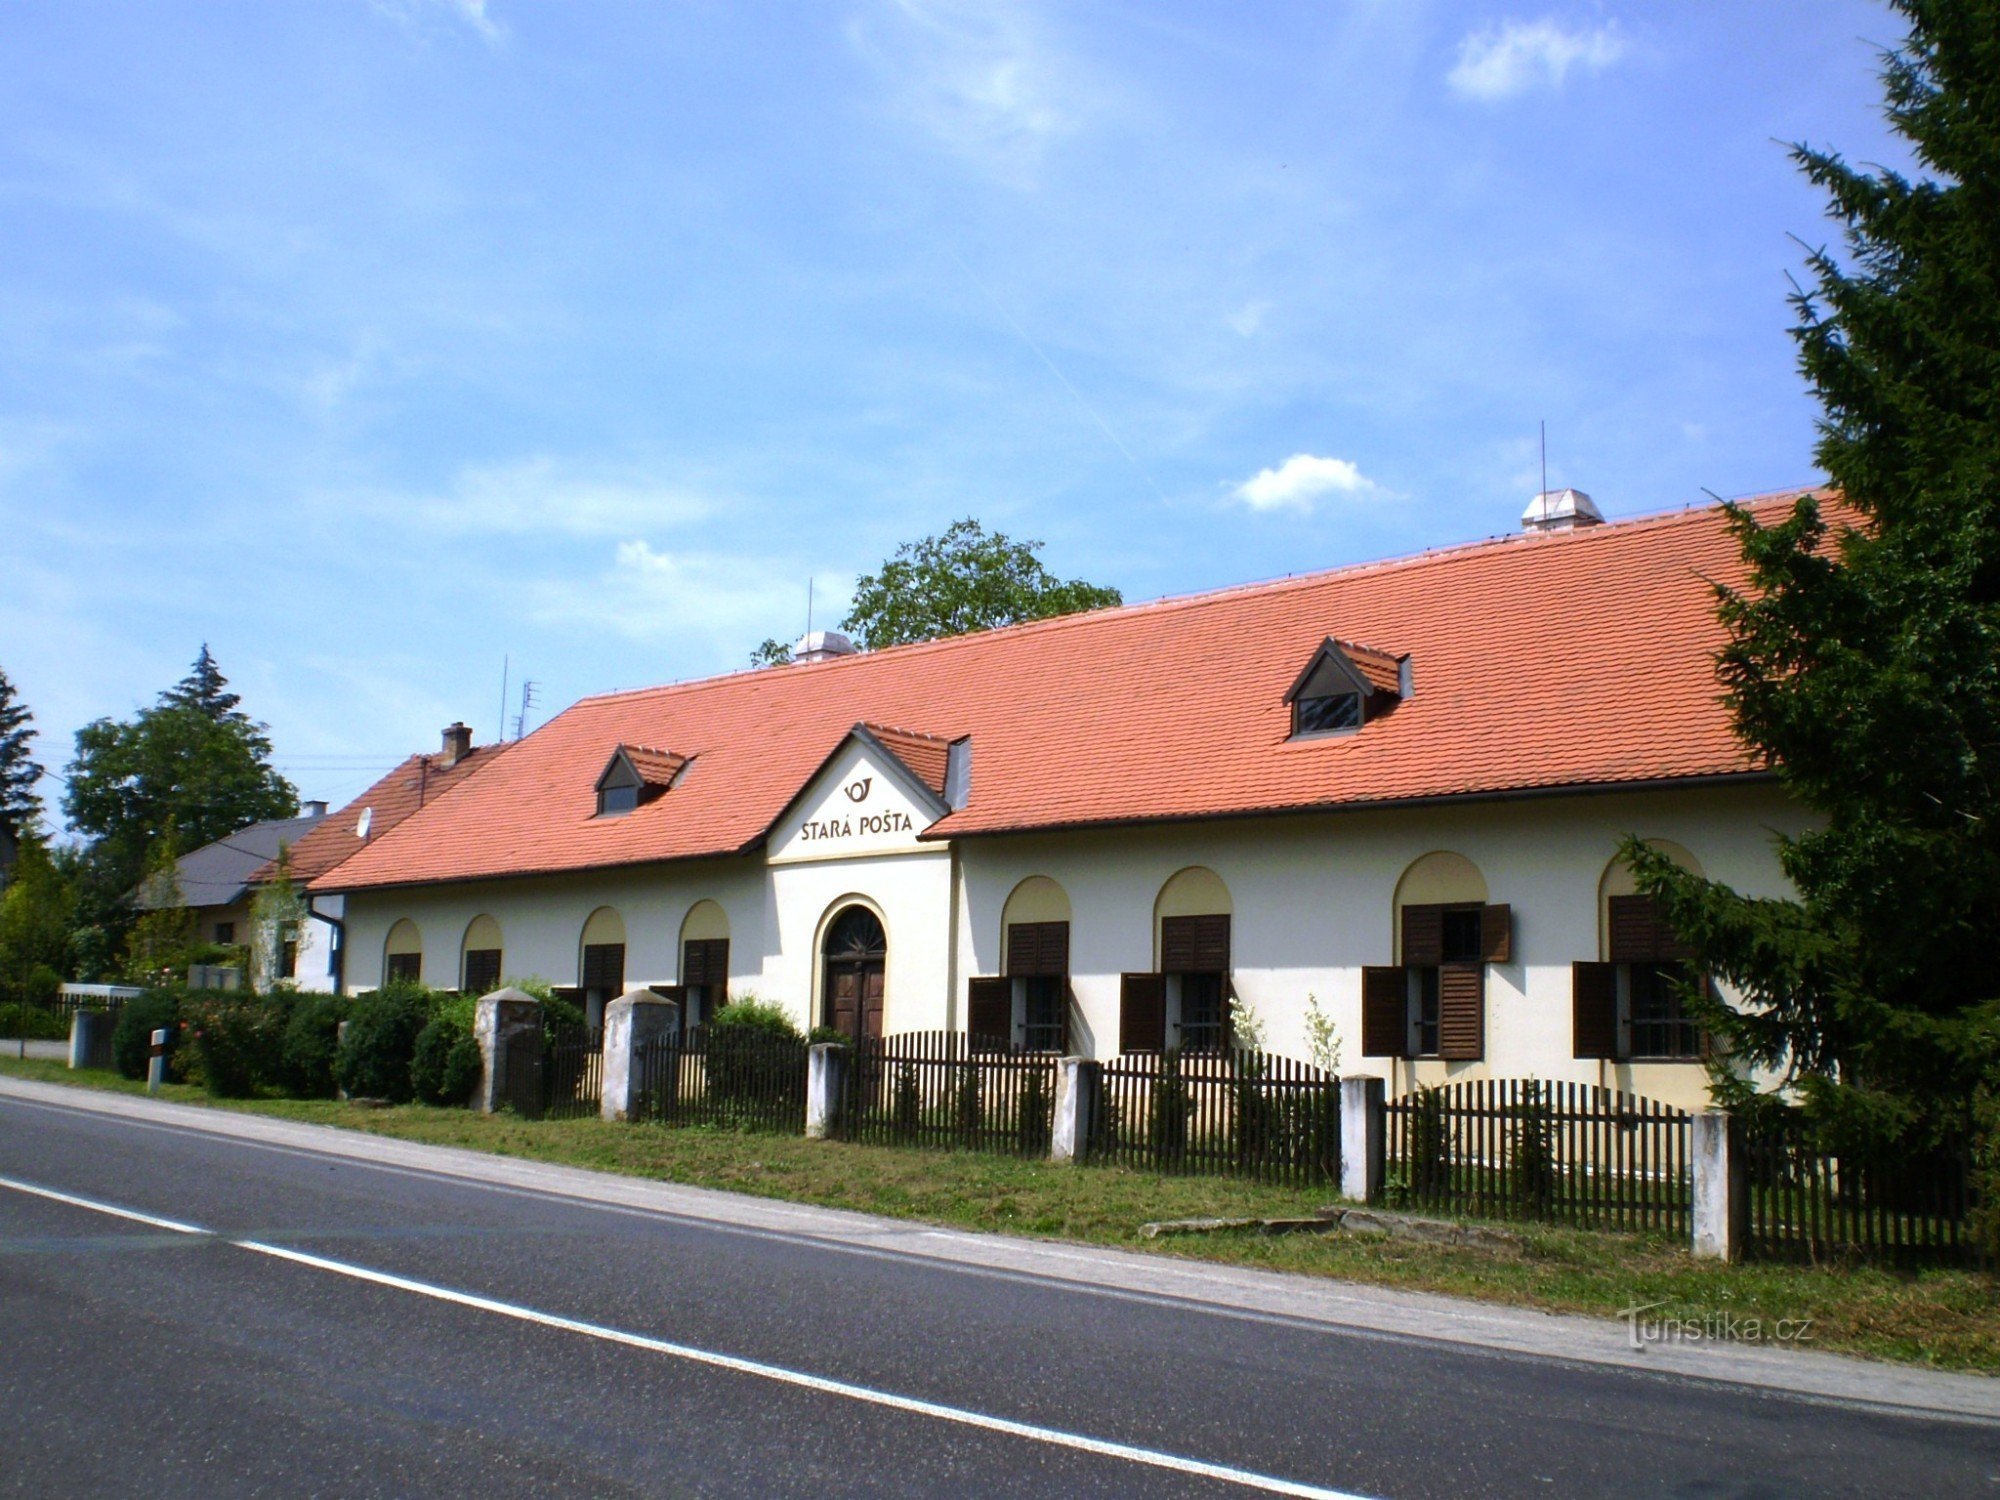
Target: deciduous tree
[[962, 580]]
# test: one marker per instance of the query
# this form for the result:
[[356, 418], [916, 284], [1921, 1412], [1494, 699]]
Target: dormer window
[[635, 776], [1344, 686], [1326, 715]]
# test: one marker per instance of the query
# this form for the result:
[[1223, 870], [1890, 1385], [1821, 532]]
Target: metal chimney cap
[[1561, 510], [822, 645]]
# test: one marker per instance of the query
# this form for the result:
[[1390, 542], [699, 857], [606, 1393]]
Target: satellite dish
[[367, 821]]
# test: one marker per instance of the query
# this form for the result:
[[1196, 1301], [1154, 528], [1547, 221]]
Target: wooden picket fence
[[1237, 1113], [947, 1090], [1906, 1203], [726, 1077], [1523, 1148]]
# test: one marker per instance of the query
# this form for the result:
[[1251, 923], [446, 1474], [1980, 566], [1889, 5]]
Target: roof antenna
[[501, 733], [1545, 455], [809, 604]]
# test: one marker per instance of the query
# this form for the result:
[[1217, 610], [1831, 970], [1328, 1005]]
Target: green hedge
[[382, 1030], [140, 1017]]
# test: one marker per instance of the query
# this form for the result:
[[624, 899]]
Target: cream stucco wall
[[1312, 898]]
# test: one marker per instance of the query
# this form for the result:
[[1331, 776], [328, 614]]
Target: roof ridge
[[1430, 556]]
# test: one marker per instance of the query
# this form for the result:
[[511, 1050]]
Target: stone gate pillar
[[506, 1020], [634, 1020]]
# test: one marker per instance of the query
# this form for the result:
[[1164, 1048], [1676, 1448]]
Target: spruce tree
[[1862, 663], [20, 802], [205, 690]]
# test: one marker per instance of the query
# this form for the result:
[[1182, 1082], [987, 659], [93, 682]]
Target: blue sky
[[369, 342]]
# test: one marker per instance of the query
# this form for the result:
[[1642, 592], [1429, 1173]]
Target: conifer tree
[[205, 690], [20, 802], [1863, 654]]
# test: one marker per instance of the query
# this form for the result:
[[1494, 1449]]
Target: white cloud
[[1247, 319], [978, 78], [472, 13], [1299, 482], [1516, 57], [654, 594], [540, 495]]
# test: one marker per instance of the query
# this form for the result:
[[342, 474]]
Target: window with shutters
[[482, 971], [1633, 1007], [1037, 964], [406, 967], [1194, 959], [704, 979], [1434, 1003]]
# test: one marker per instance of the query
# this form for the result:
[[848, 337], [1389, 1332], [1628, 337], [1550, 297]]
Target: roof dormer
[[1344, 686], [635, 776]]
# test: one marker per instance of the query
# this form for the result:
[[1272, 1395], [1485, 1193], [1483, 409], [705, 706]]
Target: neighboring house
[[1392, 793], [412, 786], [217, 881]]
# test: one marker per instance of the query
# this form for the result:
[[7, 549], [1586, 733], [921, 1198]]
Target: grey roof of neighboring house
[[217, 874]]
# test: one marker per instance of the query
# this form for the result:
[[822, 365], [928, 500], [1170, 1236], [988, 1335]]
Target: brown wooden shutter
[[1496, 933], [705, 961], [604, 967], [1385, 1012], [1142, 1013], [1194, 945], [1639, 933], [1423, 936], [1037, 948], [1594, 1009], [1462, 1012], [989, 1014], [570, 992], [674, 992], [482, 971]]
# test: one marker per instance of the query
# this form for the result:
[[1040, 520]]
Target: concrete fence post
[[89, 1036], [506, 1020], [1721, 1186], [1363, 1121], [634, 1020], [1079, 1089], [826, 1085]]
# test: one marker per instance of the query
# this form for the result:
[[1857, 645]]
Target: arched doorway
[[855, 955]]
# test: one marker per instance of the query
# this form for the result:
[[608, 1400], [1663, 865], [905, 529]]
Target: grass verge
[[1941, 1318]]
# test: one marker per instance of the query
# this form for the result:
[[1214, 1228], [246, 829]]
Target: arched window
[[403, 954], [602, 970], [479, 957], [855, 958], [1432, 1002], [1184, 1002], [1629, 1004], [1030, 999], [704, 963]]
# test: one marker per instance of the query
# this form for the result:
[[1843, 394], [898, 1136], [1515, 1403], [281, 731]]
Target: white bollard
[[156, 1066]]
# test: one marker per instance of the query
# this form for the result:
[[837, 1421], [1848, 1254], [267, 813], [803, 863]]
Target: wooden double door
[[854, 996]]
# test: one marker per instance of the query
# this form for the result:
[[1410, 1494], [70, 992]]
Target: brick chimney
[[457, 745]]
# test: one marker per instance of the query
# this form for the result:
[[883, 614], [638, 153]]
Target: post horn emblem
[[857, 791]]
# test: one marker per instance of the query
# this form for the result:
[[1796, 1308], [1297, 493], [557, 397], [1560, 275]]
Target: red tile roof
[[657, 768], [927, 757], [1572, 659], [415, 785]]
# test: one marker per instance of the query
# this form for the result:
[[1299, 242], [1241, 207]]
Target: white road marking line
[[962, 1416], [96, 1206]]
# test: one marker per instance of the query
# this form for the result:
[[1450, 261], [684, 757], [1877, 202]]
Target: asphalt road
[[307, 1325]]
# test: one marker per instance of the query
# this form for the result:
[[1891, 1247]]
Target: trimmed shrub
[[382, 1030], [238, 1040], [306, 1053], [34, 1022], [445, 1066], [752, 1015], [132, 1038]]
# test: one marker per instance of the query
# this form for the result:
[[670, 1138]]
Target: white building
[[1390, 795]]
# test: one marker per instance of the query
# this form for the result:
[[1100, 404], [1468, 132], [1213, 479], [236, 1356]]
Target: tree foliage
[[963, 579], [20, 802], [1863, 655], [193, 763], [37, 911]]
